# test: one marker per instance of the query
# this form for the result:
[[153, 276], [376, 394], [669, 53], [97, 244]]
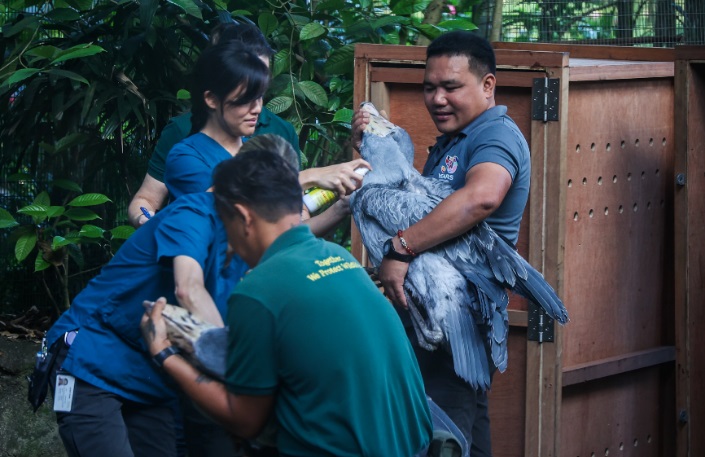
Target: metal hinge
[[540, 325], [544, 99]]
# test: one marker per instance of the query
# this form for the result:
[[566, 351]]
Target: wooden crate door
[[617, 349], [689, 251]]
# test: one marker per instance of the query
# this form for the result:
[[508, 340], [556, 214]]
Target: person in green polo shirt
[[312, 341]]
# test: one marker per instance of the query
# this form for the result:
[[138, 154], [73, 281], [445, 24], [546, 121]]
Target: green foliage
[[88, 85], [52, 236]]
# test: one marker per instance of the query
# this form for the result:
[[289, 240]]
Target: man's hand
[[359, 122], [392, 274], [340, 178], [153, 326]]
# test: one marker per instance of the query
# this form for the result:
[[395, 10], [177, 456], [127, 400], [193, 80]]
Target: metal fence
[[664, 23]]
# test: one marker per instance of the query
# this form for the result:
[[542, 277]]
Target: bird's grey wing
[[444, 294], [210, 352], [515, 273], [481, 251], [379, 212]]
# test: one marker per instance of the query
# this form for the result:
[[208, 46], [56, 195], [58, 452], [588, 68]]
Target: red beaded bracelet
[[400, 234]]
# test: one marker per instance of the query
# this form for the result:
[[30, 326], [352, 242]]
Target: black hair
[[261, 179], [221, 69], [245, 32], [478, 50]]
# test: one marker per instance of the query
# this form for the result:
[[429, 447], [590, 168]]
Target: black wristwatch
[[389, 252], [164, 354]]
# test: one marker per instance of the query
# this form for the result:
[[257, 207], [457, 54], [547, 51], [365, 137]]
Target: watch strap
[[392, 254], [164, 354]]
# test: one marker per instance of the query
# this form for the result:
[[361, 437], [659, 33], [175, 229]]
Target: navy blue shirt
[[108, 351], [491, 137]]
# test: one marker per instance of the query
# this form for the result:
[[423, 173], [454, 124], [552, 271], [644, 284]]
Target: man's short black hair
[[478, 50], [261, 179]]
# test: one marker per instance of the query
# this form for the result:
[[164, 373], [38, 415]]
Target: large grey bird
[[456, 292]]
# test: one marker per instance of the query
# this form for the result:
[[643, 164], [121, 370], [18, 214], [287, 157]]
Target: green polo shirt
[[179, 127], [309, 326]]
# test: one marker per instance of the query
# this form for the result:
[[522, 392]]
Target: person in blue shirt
[[152, 194], [110, 398]]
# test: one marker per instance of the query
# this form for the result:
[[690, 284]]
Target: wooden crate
[[599, 226]]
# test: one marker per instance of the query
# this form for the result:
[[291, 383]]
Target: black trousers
[[103, 424], [467, 407]]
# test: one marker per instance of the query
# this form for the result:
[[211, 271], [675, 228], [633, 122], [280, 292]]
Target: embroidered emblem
[[451, 164]]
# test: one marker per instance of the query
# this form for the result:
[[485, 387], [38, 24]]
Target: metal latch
[[540, 325], [544, 99]]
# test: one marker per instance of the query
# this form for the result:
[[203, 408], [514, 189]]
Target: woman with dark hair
[[229, 81]]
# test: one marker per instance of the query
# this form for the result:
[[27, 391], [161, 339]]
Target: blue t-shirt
[[491, 137], [190, 165], [109, 351]]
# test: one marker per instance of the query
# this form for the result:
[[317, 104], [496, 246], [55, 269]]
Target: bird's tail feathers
[[468, 349], [536, 289]]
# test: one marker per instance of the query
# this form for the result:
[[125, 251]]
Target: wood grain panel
[[615, 416], [596, 52], [618, 209], [507, 406]]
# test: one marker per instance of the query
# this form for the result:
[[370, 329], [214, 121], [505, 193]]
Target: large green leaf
[[25, 244], [189, 6], [267, 23], [78, 51], [59, 241], [89, 200], [91, 231], [28, 22], [343, 115], [457, 24], [44, 52], [122, 232], [314, 92], [63, 15], [311, 30], [81, 214], [67, 184], [279, 104], [34, 210], [55, 211], [281, 62], [68, 74], [42, 199], [6, 219], [407, 7], [341, 60], [39, 263], [21, 75], [389, 20]]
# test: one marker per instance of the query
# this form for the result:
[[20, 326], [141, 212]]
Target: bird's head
[[387, 147]]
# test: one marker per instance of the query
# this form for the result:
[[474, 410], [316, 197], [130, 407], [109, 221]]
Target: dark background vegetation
[[86, 86]]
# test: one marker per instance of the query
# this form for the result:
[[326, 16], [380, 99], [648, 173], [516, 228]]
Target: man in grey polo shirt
[[484, 156]]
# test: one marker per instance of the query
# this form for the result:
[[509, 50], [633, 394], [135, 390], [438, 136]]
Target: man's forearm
[[485, 187], [210, 395]]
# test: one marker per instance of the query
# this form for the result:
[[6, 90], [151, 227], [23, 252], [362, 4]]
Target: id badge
[[63, 393]]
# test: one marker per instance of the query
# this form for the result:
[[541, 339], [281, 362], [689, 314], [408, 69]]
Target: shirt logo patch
[[451, 164]]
